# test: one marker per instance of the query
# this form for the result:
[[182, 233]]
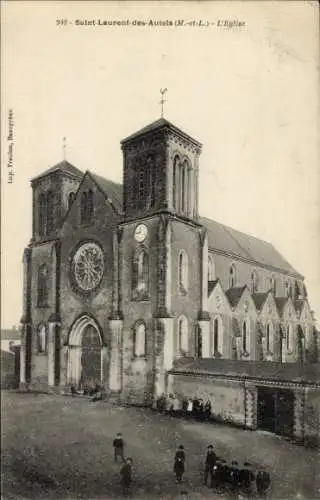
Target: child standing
[[126, 475], [118, 446], [179, 461]]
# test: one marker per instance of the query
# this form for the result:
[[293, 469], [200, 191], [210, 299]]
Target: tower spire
[[162, 92]]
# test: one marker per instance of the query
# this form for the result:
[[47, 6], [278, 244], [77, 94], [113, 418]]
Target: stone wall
[[227, 397]]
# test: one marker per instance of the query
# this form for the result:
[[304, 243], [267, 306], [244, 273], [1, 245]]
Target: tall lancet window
[[245, 337], [232, 276], [269, 338], [217, 337], [182, 187], [42, 339], [90, 206], [43, 286], [71, 198], [50, 212], [83, 208], [140, 274], [183, 272], [42, 214], [175, 183], [289, 338], [254, 281]]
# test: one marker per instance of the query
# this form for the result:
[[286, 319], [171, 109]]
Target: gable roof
[[281, 302], [225, 239], [211, 286], [157, 125], [259, 299], [234, 295], [65, 167], [112, 190]]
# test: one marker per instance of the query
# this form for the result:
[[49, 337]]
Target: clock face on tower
[[88, 266], [140, 233]]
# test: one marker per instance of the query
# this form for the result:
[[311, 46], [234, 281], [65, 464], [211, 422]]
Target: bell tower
[[160, 171]]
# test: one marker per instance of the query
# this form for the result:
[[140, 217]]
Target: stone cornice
[[245, 378], [172, 216], [166, 128]]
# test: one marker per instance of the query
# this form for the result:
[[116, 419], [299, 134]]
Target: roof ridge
[[237, 230]]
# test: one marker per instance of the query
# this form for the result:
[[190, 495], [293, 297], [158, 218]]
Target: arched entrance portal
[[85, 354]]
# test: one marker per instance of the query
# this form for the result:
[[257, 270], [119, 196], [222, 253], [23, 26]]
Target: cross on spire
[[64, 146], [162, 92]]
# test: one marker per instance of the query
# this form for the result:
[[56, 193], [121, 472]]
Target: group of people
[[189, 408], [216, 470], [234, 477]]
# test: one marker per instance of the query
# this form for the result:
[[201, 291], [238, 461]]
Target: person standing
[[179, 463], [207, 410], [126, 475], [263, 481], [246, 477], [190, 408], [118, 445], [209, 465]]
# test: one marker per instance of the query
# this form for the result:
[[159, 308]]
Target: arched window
[[183, 272], [175, 182], [90, 206], [232, 276], [42, 299], [289, 337], [42, 214], [140, 274], [269, 337], [254, 281], [70, 199], [288, 288], [50, 212], [217, 336], [211, 269], [273, 285], [42, 339], [183, 340], [183, 186], [139, 339], [83, 208], [86, 207], [245, 337]]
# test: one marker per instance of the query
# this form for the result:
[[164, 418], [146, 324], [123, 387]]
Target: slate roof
[[295, 372], [211, 286], [226, 239], [234, 295], [158, 124], [281, 302], [63, 166], [259, 299], [111, 189]]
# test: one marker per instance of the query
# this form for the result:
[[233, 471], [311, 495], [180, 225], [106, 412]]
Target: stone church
[[124, 285]]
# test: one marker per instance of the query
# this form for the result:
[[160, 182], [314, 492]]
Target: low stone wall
[[227, 397]]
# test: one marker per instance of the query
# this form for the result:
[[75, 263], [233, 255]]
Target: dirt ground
[[61, 447]]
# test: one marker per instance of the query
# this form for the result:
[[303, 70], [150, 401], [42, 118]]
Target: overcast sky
[[249, 94]]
